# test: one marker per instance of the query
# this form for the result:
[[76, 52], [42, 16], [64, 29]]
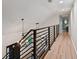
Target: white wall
[[73, 24], [52, 20]]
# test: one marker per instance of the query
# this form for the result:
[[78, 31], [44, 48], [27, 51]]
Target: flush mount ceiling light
[[61, 2]]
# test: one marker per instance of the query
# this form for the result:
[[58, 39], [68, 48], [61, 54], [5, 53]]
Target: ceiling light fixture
[[61, 2]]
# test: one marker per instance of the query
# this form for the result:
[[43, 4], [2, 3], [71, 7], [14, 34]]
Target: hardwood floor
[[62, 48]]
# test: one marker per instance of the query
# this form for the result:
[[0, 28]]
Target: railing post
[[58, 29], [34, 43], [6, 52], [14, 51], [54, 33], [49, 38]]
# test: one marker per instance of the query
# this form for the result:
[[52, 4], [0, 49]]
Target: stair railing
[[34, 45]]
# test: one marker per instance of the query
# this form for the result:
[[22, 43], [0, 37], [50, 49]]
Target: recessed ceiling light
[[61, 2]]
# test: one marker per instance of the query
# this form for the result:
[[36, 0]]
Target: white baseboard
[[74, 46]]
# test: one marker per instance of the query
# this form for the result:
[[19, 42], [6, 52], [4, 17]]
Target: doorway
[[64, 24]]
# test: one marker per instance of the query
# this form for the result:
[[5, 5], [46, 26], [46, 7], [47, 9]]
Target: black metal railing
[[35, 44]]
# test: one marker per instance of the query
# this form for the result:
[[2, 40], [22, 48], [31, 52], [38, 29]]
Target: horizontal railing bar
[[42, 57], [51, 30], [27, 38], [25, 44], [41, 35], [25, 35], [51, 35], [25, 47], [26, 51], [41, 31], [41, 45], [27, 54], [41, 38], [40, 42], [41, 49]]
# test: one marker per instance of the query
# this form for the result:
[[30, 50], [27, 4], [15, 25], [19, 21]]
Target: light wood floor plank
[[62, 48]]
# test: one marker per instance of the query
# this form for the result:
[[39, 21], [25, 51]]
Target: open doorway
[[64, 24]]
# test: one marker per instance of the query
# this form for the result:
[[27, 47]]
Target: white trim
[[74, 45]]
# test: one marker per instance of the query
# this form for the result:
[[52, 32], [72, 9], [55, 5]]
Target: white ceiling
[[34, 10]]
